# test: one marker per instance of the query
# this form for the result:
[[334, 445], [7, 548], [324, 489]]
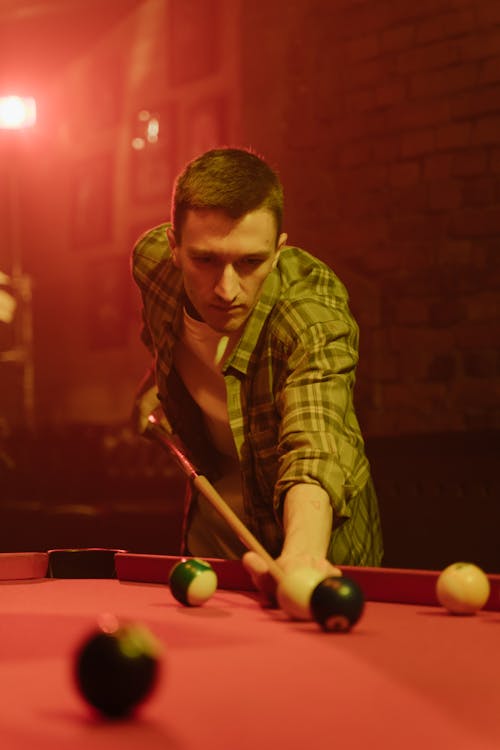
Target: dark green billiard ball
[[192, 581], [117, 667], [337, 603]]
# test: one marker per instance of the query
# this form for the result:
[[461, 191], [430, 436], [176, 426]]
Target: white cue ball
[[294, 592], [462, 588]]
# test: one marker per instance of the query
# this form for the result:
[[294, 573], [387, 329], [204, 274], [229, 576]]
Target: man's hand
[[145, 404], [266, 584], [307, 520]]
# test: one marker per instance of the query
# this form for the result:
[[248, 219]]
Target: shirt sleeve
[[319, 437], [148, 263]]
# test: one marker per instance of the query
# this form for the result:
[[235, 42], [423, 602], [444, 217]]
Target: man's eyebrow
[[257, 253], [200, 252]]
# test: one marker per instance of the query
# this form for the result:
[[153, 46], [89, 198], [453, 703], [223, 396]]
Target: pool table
[[237, 676]]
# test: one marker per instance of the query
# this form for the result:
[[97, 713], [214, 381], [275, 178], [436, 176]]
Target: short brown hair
[[233, 180]]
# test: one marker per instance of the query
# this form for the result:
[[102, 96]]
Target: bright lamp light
[[17, 112]]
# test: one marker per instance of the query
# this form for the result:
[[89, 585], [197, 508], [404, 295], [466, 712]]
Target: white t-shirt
[[199, 356]]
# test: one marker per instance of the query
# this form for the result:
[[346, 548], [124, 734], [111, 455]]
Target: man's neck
[[192, 311]]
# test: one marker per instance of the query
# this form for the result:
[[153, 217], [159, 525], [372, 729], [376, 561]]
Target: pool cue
[[159, 431]]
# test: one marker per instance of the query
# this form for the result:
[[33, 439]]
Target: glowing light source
[[147, 130], [153, 129], [17, 112]]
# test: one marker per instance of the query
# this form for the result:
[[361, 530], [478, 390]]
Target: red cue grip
[[159, 432]]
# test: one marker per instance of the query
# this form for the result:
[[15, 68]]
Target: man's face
[[224, 263]]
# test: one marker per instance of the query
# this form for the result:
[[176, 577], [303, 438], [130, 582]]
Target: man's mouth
[[227, 308]]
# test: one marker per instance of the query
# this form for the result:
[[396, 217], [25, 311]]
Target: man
[[254, 364]]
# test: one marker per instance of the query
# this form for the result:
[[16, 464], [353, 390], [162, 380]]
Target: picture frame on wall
[[194, 40], [206, 126], [92, 202], [95, 99], [106, 74], [111, 303]]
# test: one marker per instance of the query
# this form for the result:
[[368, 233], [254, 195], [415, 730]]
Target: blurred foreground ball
[[117, 667]]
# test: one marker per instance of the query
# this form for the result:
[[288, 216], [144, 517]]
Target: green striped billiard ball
[[192, 581], [337, 603]]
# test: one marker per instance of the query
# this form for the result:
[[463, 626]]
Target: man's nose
[[228, 284]]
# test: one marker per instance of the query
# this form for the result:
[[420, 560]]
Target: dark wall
[[384, 119]]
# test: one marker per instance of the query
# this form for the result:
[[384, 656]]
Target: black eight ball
[[337, 603]]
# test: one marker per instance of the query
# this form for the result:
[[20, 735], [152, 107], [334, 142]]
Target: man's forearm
[[307, 519]]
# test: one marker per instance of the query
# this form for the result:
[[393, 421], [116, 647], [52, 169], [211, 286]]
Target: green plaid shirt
[[289, 384]]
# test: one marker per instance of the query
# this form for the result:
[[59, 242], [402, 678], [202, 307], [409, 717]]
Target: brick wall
[[384, 120]]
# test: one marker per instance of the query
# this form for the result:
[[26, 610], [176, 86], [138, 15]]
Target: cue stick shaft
[[159, 431]]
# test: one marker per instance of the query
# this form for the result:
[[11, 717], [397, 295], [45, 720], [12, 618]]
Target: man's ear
[[281, 243], [282, 240], [173, 246]]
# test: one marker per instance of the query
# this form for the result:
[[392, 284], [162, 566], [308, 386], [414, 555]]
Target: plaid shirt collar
[[240, 357]]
